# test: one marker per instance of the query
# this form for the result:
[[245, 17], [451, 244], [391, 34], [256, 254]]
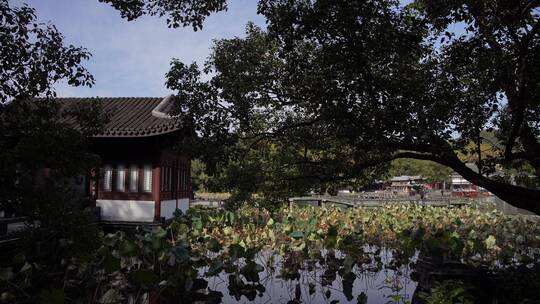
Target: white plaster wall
[[183, 204], [168, 207], [126, 210], [460, 181]]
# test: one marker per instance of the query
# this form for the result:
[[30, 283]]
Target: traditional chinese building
[[143, 178], [463, 188], [405, 183]]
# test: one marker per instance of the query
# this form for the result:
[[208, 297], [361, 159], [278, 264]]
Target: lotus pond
[[395, 254]]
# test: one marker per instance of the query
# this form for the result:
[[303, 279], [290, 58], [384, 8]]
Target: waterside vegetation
[[325, 248]]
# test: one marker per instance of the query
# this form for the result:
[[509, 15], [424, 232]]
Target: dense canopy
[[331, 91], [359, 83]]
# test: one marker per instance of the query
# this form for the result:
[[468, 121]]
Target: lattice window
[[107, 178], [147, 179], [134, 179], [120, 179]]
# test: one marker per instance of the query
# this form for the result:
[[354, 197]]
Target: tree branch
[[529, 5], [279, 131], [415, 155], [530, 35]]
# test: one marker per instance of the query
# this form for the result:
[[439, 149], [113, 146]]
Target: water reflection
[[378, 278], [323, 279], [474, 254]]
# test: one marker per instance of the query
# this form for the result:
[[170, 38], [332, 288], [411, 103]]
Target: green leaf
[[331, 237], [128, 248], [348, 264], [111, 239], [111, 263], [419, 233], [236, 251], [311, 288], [180, 228], [362, 298], [230, 217], [251, 271], [348, 283], [188, 284], [52, 296], [196, 226], [215, 268], [6, 273], [181, 253], [490, 242], [19, 259], [157, 243], [227, 230], [27, 267], [213, 245], [6, 297], [296, 235], [111, 297], [312, 224], [146, 278], [332, 231], [298, 246], [160, 233], [328, 294]]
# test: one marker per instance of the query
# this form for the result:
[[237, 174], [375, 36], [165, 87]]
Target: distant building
[[406, 183], [463, 188]]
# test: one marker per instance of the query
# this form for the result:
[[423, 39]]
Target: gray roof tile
[[130, 116]]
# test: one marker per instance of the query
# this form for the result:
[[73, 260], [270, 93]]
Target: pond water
[[378, 279], [378, 287], [321, 283], [297, 264], [395, 254]]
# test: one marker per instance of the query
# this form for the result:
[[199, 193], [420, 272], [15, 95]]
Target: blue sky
[[131, 58]]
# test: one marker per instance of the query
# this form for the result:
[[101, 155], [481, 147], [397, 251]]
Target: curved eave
[[152, 133]]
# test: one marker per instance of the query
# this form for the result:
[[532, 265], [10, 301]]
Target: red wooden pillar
[[189, 189], [176, 179], [93, 183], [156, 191], [153, 296]]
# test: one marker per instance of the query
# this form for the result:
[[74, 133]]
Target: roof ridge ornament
[[163, 108]]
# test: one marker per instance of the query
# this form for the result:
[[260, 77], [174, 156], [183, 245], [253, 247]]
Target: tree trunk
[[520, 197], [517, 196], [532, 147]]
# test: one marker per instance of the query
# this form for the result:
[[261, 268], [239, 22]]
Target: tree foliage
[[356, 84], [43, 157], [34, 57], [422, 80], [178, 12], [432, 171], [35, 133]]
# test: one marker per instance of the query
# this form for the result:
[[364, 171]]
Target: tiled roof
[[133, 116], [405, 178]]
